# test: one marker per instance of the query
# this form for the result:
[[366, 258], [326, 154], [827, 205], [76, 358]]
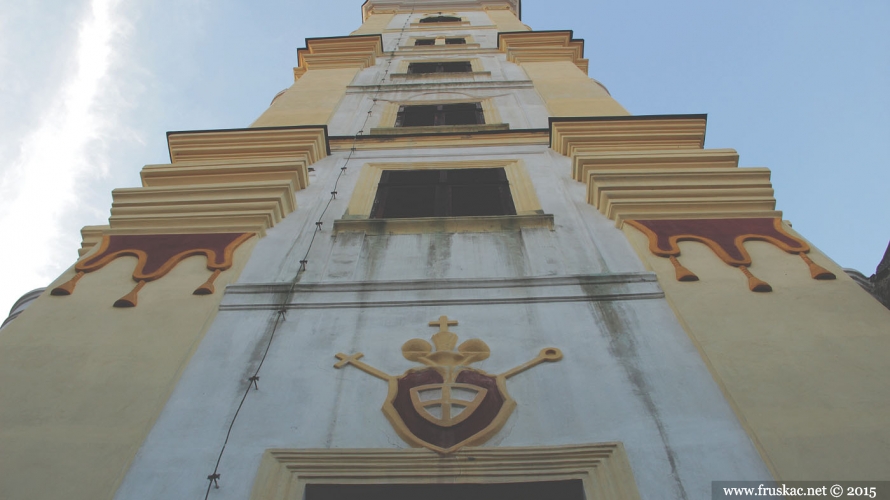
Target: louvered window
[[465, 113], [440, 67], [443, 193]]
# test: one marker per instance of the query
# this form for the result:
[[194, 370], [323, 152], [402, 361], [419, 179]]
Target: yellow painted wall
[[82, 382], [311, 100], [376, 23], [567, 91], [806, 366], [506, 21]]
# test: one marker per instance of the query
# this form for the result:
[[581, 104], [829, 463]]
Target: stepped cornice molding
[[304, 142], [609, 185], [648, 204], [244, 207], [291, 170], [90, 237], [419, 6], [570, 135], [236, 180], [358, 51], [654, 167], [585, 162], [543, 46]]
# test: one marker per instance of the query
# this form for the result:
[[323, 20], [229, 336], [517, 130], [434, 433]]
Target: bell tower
[[623, 313]]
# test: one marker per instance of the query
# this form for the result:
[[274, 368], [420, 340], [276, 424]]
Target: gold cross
[[443, 323], [353, 359], [345, 360]]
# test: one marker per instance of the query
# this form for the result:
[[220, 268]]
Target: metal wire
[[213, 479]]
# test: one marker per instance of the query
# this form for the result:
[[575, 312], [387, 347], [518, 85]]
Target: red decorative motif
[[725, 237], [157, 254]]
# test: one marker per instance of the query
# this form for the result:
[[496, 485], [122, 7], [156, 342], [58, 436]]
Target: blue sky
[[88, 89]]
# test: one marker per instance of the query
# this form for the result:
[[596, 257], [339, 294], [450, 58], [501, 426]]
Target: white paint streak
[[40, 186]]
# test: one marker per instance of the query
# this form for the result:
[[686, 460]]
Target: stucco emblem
[[446, 404]]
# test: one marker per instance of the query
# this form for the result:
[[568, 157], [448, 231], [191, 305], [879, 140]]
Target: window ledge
[[439, 129], [443, 46], [449, 75], [420, 225], [447, 24]]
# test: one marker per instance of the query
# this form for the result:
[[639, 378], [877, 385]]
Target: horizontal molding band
[[453, 302], [443, 85], [364, 294]]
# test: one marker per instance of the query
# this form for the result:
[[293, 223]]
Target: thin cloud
[[63, 151]]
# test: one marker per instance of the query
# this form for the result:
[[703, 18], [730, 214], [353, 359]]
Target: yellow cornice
[[537, 46], [585, 162], [339, 52], [292, 170], [570, 136], [90, 237], [309, 143], [654, 167], [240, 180], [248, 206]]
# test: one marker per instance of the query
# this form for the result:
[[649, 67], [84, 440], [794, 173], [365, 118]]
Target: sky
[[88, 89]]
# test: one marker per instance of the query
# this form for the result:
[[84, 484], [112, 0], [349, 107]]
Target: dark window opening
[[455, 41], [440, 67], [440, 19], [570, 489], [443, 193], [425, 41], [466, 113]]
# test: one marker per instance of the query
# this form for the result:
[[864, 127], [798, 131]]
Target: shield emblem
[[429, 410], [446, 404]]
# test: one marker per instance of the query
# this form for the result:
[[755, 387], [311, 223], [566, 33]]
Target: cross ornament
[[443, 323]]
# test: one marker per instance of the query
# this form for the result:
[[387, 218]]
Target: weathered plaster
[[798, 364]]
